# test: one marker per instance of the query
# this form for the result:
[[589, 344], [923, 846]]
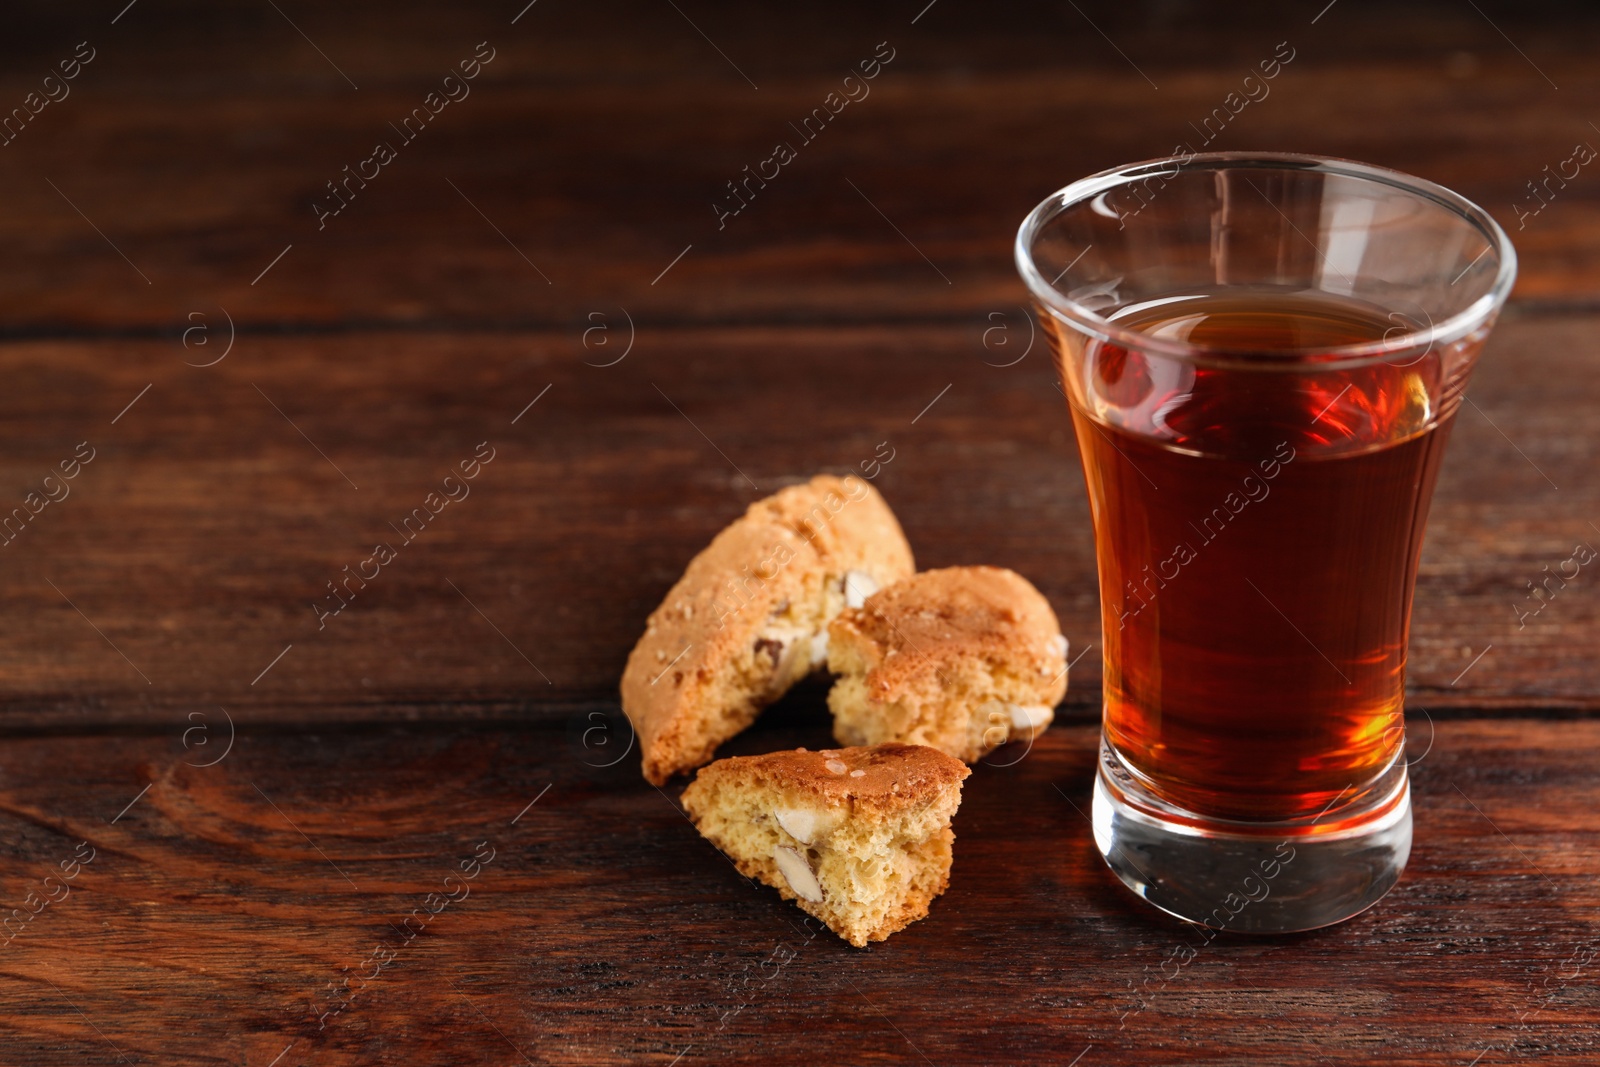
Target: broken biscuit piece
[[963, 659], [749, 617], [858, 837]]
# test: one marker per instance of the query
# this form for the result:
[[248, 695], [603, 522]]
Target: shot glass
[[1263, 356]]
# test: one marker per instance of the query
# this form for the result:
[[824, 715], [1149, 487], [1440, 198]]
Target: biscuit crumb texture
[[858, 837], [963, 659], [749, 617]]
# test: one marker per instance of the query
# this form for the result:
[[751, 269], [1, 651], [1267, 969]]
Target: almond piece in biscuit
[[858, 837], [963, 659], [749, 617]]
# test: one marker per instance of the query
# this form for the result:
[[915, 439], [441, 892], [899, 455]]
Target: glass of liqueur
[[1263, 356]]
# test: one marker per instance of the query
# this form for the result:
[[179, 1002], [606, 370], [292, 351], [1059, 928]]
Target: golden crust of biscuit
[[893, 777], [735, 632], [940, 616]]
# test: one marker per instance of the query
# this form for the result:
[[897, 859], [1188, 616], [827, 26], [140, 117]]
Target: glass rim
[[1329, 357]]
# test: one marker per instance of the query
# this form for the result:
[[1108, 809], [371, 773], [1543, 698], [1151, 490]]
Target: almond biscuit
[[858, 837], [749, 617], [963, 659]]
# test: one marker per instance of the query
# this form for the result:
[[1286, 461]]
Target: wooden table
[[242, 799]]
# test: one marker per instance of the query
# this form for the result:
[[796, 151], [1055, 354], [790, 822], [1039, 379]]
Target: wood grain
[[604, 930], [198, 140]]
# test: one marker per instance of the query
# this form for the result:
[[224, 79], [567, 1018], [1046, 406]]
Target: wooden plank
[[191, 551], [584, 161], [224, 907]]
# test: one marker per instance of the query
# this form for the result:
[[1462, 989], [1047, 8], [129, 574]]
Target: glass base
[[1253, 877]]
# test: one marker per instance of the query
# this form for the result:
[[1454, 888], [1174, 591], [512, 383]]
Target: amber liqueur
[[1260, 529]]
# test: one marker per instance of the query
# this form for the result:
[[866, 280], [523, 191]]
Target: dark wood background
[[266, 801]]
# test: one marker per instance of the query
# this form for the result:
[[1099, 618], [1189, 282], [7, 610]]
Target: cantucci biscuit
[[749, 617], [963, 659], [858, 837]]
